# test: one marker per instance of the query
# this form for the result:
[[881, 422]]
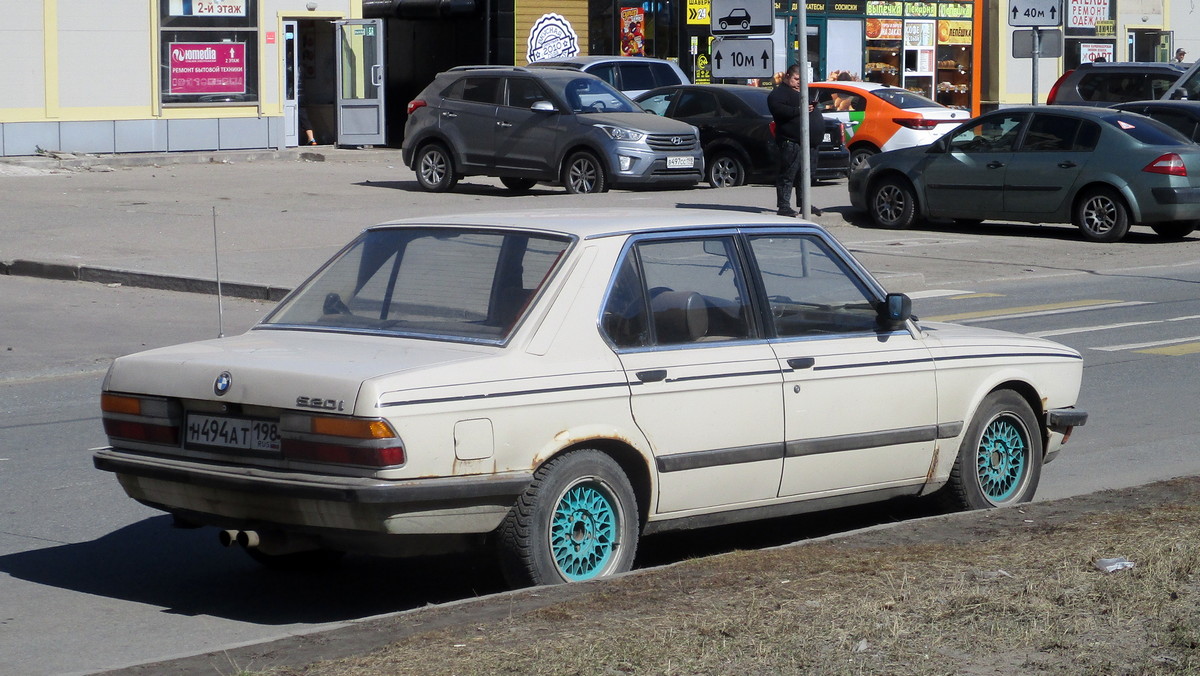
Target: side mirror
[[543, 106], [895, 310], [938, 146]]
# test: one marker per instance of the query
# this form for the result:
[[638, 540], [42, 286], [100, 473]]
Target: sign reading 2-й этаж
[[208, 7]]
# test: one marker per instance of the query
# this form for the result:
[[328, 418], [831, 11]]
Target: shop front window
[[208, 52]]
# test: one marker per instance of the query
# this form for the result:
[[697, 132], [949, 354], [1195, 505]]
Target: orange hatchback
[[878, 117]]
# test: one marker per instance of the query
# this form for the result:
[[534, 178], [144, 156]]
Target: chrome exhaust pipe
[[248, 538], [228, 538]]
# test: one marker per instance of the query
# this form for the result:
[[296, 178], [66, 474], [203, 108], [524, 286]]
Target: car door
[[700, 108], [1053, 153], [860, 403], [526, 139], [468, 119], [966, 179], [704, 383]]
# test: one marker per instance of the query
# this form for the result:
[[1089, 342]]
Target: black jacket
[[786, 108]]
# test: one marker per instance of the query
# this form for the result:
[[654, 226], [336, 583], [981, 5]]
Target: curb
[[146, 280], [89, 160]]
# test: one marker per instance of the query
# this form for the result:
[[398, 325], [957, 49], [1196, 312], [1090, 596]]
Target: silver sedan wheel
[[1101, 216]]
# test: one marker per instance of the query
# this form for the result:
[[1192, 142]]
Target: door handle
[[800, 363], [1066, 164], [652, 376], [995, 164], [448, 114], [502, 123]]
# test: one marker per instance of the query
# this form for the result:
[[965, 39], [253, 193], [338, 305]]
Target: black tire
[[314, 560], [1101, 215], [518, 184], [860, 155], [1000, 460], [583, 174], [1174, 229], [725, 170], [578, 520], [892, 203], [435, 168]]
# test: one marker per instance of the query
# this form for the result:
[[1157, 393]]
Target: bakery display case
[[883, 62], [954, 76]]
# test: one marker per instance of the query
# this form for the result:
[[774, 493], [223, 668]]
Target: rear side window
[[606, 72], [1119, 87], [475, 89], [902, 98], [636, 76], [664, 75], [1180, 122], [1146, 130]]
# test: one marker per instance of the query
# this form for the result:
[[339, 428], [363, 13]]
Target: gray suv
[[1106, 83], [526, 125]]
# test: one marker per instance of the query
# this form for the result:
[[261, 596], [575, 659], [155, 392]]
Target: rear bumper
[[224, 494], [1176, 195]]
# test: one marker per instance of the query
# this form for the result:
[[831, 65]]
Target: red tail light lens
[[1170, 164], [367, 442], [917, 122], [1050, 98], [414, 104]]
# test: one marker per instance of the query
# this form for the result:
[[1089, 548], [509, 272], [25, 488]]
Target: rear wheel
[[583, 174], [578, 520], [1000, 460], [435, 168], [725, 171], [518, 184], [893, 204], [1174, 229], [1101, 215], [860, 155]]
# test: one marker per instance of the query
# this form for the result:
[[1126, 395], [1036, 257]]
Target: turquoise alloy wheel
[[1003, 454], [583, 531]]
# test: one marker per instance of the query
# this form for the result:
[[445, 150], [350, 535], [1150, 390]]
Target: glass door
[[360, 80], [291, 86]]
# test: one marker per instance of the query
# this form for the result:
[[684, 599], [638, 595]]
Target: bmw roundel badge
[[223, 383]]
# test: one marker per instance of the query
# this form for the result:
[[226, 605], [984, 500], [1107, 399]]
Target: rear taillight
[[1053, 95], [147, 419], [772, 128], [367, 442], [918, 122], [1170, 164], [414, 104]]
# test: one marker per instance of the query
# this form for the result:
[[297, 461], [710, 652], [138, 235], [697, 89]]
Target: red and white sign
[[1085, 13], [208, 67], [1093, 51]]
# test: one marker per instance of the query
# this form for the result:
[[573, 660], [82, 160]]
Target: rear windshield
[[902, 98], [1146, 130], [443, 283]]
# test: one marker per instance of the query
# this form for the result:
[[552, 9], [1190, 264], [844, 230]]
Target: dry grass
[[1026, 601]]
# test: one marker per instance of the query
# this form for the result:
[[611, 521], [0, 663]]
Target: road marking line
[[939, 293], [1032, 310], [1139, 346], [1174, 350], [1104, 327]]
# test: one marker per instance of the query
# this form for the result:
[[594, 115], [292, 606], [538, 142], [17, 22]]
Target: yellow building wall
[[528, 12]]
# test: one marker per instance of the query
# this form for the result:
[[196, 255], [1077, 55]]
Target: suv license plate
[[244, 433], [681, 162], [826, 139]]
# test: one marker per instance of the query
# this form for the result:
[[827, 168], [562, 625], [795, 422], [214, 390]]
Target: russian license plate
[[226, 432], [681, 162], [826, 138]]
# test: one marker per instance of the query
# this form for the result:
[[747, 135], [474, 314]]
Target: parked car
[[1099, 168], [1109, 82], [526, 125], [735, 132], [632, 75], [878, 117], [555, 384], [1182, 116]]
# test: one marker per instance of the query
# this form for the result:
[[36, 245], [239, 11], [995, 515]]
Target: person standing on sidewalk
[[786, 108]]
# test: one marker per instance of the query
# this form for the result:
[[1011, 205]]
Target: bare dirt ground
[[1011, 591]]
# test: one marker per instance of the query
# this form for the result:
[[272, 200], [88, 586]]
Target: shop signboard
[[1097, 51], [1085, 13], [698, 11], [208, 7], [207, 68]]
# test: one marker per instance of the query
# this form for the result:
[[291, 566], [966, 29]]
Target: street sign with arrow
[[742, 57], [1034, 13]]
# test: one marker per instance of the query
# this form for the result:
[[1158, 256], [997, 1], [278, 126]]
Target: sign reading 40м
[[1034, 13]]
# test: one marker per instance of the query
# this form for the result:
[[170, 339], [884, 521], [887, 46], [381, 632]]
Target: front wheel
[[893, 204], [435, 168], [1000, 460], [1174, 229], [1101, 215], [725, 171], [578, 520], [583, 174]]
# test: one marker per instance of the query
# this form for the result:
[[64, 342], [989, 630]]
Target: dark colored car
[[1106, 83], [526, 125], [1098, 168], [1182, 116], [735, 132]]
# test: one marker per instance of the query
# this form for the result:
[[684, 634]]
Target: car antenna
[[217, 261]]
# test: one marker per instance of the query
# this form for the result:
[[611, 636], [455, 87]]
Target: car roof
[[1132, 65], [543, 72], [606, 222], [588, 59]]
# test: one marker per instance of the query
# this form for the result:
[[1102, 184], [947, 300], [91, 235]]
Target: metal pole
[[1037, 53], [802, 60]]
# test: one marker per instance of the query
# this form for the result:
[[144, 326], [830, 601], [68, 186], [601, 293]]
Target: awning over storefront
[[416, 9]]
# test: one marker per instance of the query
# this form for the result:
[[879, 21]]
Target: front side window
[[810, 290], [992, 134], [450, 283], [208, 52]]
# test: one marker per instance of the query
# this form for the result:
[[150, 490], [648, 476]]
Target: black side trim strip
[[723, 456], [949, 430], [971, 188], [515, 393], [1060, 355], [854, 442], [686, 379]]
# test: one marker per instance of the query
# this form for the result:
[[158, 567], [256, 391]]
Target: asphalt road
[[90, 580]]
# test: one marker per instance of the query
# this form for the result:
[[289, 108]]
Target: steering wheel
[[333, 305], [597, 106]]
